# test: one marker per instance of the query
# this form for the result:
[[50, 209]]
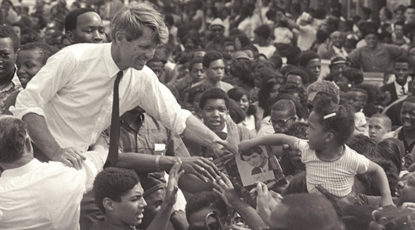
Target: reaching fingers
[[209, 162], [226, 180], [227, 146], [74, 161]]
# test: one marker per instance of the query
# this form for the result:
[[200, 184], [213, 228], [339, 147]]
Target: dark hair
[[352, 74], [342, 124], [307, 56], [360, 90], [8, 32], [45, 50], [113, 183], [309, 211], [237, 93], [284, 105], [363, 145], [194, 61], [402, 59], [205, 199], [392, 150], [263, 31], [264, 91], [410, 7], [211, 56], [214, 93], [72, 18], [276, 61], [235, 112], [250, 151], [297, 71], [242, 69], [12, 138], [298, 129]]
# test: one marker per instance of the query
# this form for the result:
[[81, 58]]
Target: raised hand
[[172, 184], [265, 202], [224, 187]]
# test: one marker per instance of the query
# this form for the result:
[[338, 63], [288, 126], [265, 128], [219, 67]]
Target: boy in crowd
[[214, 106], [357, 98], [214, 68], [379, 125], [31, 58], [119, 195], [9, 45]]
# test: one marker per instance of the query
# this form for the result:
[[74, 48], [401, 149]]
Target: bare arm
[[382, 183], [192, 181], [274, 139], [43, 139]]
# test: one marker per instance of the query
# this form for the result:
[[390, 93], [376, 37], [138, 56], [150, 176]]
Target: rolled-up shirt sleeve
[[54, 75], [158, 101]]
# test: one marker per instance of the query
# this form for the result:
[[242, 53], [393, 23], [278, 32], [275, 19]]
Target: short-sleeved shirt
[[337, 177]]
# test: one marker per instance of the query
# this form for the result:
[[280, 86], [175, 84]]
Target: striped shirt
[[337, 177]]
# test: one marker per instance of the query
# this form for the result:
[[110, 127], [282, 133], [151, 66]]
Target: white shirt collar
[[398, 88], [112, 68]]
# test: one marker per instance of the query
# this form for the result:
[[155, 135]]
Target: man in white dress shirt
[[36, 195], [68, 103]]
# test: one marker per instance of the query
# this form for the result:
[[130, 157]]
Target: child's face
[[29, 62], [315, 132], [377, 128], [356, 100], [244, 103], [131, 207], [214, 113], [282, 120], [408, 115]]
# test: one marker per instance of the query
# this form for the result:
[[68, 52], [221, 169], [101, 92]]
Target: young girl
[[242, 98], [330, 163]]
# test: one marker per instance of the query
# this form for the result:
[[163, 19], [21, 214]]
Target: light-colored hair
[[133, 18]]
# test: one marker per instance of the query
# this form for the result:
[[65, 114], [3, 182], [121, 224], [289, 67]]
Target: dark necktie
[[115, 123], [403, 90]]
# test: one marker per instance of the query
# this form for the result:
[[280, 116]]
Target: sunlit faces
[[135, 53], [130, 209], [313, 67], [89, 29], [216, 70], [196, 73], [29, 62], [371, 40], [401, 70], [408, 115], [377, 128], [7, 58], [214, 114]]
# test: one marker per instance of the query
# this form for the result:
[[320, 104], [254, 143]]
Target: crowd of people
[[135, 115]]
